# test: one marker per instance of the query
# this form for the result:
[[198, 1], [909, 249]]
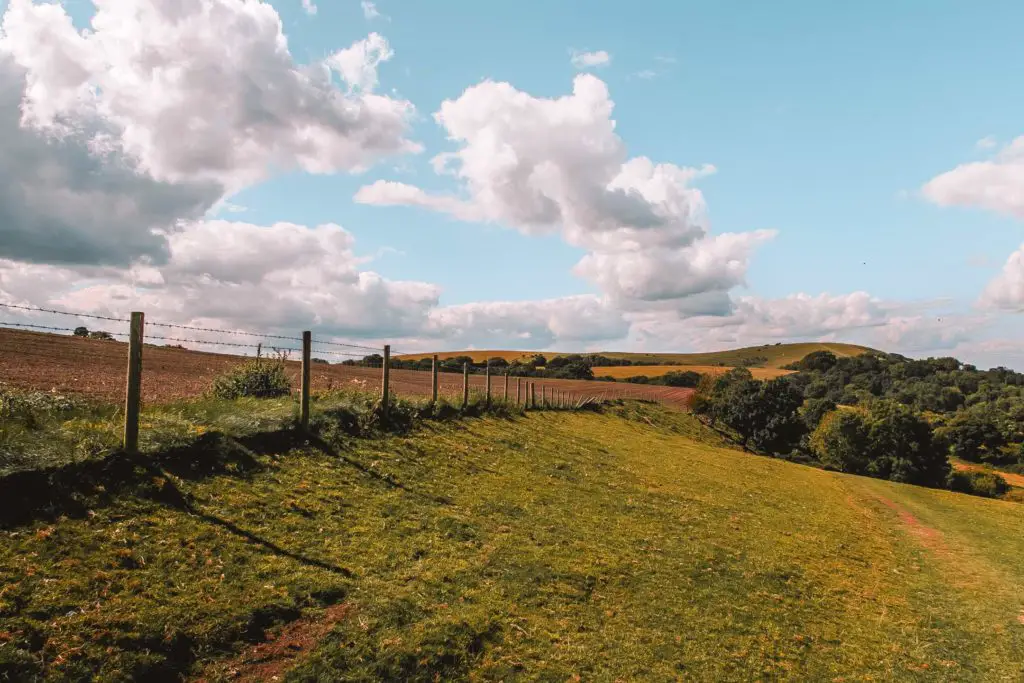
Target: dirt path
[[929, 537], [267, 661]]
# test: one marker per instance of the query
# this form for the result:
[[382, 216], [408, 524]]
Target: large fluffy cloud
[[112, 136], [556, 165], [1006, 290], [203, 88], [240, 276]]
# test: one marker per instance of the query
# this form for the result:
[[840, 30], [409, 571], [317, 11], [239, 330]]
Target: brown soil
[[929, 537], [267, 661], [97, 369]]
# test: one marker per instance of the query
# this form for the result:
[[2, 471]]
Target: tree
[[574, 370], [901, 448], [497, 362], [974, 435], [841, 441], [81, 332], [688, 378], [777, 423], [814, 410]]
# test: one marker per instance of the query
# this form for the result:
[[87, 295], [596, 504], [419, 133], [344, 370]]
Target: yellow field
[[623, 371], [478, 356]]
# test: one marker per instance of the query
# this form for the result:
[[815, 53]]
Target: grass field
[[775, 356], [623, 371], [629, 545]]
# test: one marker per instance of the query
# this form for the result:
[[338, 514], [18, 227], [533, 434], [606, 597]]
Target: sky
[[652, 176]]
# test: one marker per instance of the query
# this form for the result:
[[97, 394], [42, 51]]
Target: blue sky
[[825, 122]]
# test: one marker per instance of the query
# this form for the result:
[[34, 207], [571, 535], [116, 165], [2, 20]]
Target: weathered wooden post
[[307, 341], [519, 390], [544, 396], [133, 384], [533, 394], [504, 396], [433, 380], [487, 381], [384, 382], [465, 385]]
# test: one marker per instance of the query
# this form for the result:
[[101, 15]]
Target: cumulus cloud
[[996, 184], [62, 200], [556, 166], [309, 6], [528, 324], [1006, 290], [588, 60], [201, 89], [240, 276]]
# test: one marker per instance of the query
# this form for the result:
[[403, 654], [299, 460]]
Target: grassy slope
[[777, 356], [541, 547], [623, 371]]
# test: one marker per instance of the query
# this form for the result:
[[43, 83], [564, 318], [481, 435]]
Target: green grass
[[626, 545], [776, 355]]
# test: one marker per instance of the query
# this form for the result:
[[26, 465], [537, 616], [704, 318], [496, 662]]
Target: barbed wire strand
[[57, 312]]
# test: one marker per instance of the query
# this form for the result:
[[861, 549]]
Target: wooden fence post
[[433, 380], [487, 381], [307, 340], [385, 381], [505, 395], [519, 390], [465, 385], [133, 386], [543, 396], [533, 394]]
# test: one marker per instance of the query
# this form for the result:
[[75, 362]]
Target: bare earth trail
[[95, 368]]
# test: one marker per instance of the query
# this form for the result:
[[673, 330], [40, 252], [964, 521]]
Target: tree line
[[880, 415]]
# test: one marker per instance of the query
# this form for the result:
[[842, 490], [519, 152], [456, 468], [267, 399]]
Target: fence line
[[138, 339]]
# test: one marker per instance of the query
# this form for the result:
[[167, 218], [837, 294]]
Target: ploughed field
[[97, 368]]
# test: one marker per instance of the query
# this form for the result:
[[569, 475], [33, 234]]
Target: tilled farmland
[[97, 368]]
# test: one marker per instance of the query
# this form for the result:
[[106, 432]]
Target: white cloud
[[987, 142], [997, 184], [200, 90], [235, 275], [357, 65], [588, 60], [309, 6], [370, 10], [646, 74], [1006, 290], [556, 166]]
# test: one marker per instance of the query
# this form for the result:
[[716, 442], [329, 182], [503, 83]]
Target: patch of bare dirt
[[929, 537], [269, 660], [1011, 478]]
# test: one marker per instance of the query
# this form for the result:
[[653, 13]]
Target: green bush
[[256, 379], [987, 484]]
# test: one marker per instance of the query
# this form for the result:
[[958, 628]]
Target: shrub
[[256, 379], [105, 336], [814, 410], [81, 332], [987, 484]]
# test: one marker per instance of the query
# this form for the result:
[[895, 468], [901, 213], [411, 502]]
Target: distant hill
[[767, 356]]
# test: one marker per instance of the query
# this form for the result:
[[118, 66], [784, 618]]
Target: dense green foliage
[[978, 414], [987, 484], [878, 415]]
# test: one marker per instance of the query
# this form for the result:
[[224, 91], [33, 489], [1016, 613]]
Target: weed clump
[[254, 379]]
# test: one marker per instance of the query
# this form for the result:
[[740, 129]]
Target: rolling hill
[[626, 545], [774, 356]]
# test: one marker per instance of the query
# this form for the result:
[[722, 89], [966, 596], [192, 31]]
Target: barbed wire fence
[[363, 360]]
